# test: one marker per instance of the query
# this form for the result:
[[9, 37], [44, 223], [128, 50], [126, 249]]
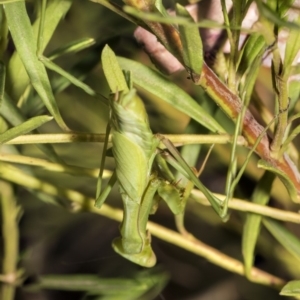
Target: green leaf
[[143, 282], [117, 9], [9, 1], [250, 63], [10, 112], [73, 47], [283, 177], [113, 72], [17, 75], [158, 85], [24, 128], [295, 132], [293, 88], [238, 12], [288, 240], [284, 6], [84, 283], [253, 48], [292, 49], [191, 42], [159, 18], [15, 117], [54, 67], [160, 7], [275, 17], [22, 34], [291, 289], [251, 228]]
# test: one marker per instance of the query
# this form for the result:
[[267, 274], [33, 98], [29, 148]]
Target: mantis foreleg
[[183, 167]]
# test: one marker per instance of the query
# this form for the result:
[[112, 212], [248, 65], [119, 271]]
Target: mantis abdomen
[[134, 150]]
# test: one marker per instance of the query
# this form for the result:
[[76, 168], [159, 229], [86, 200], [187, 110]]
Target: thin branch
[[10, 234], [243, 205], [177, 139], [52, 167]]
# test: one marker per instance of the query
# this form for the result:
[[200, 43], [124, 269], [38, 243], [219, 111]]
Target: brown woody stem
[[231, 104]]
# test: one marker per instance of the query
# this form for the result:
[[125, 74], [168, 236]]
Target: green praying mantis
[[136, 150]]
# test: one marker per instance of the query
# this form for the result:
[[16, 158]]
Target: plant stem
[[10, 233], [245, 206], [52, 167], [177, 139]]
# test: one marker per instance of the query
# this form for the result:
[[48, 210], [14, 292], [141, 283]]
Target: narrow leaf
[[284, 6], [113, 72], [263, 164], [250, 63], [129, 288], [8, 1], [292, 49], [254, 47], [273, 16], [84, 283], [24, 128], [288, 240], [156, 84], [117, 9], [294, 92], [295, 132], [17, 75], [14, 116], [191, 42], [54, 67], [21, 31], [251, 228], [73, 47], [160, 7], [10, 112], [291, 289], [159, 18]]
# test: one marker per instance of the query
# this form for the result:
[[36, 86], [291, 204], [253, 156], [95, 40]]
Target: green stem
[[10, 232], [177, 139], [102, 163], [231, 172], [245, 206], [52, 167]]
